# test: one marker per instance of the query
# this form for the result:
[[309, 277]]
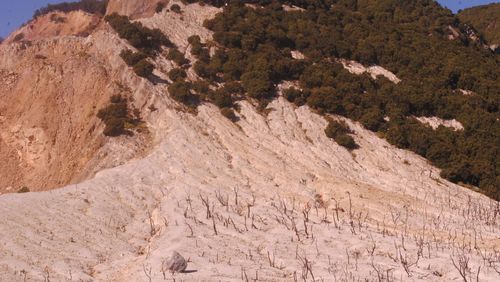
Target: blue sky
[[15, 12]]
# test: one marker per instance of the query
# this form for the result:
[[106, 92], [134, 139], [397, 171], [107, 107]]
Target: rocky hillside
[[133, 9], [486, 19], [54, 80], [262, 194]]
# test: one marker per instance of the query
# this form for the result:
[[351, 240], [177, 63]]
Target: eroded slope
[[275, 187], [268, 198], [50, 92]]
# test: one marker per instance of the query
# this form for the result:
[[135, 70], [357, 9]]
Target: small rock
[[174, 263]]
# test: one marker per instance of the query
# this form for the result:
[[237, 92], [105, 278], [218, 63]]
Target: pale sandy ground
[[269, 198], [401, 212]]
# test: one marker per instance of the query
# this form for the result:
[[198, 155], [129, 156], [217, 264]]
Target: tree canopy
[[413, 39]]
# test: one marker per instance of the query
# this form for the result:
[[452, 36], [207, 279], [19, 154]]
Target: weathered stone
[[174, 263]]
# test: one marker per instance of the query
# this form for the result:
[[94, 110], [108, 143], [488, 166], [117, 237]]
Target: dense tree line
[[411, 38], [89, 6]]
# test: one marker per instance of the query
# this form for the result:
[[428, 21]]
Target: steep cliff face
[[134, 9], [51, 88], [56, 24], [53, 80]]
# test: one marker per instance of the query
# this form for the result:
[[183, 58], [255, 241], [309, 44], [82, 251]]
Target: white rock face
[[297, 55], [374, 71], [454, 33], [292, 8], [466, 92], [174, 263], [132, 8], [435, 122]]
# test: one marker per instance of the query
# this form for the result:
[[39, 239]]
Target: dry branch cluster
[[307, 224]]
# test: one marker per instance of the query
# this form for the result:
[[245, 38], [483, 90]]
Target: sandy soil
[[274, 187]]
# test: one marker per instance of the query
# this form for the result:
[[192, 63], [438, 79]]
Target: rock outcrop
[[374, 71], [134, 9], [435, 122], [174, 262]]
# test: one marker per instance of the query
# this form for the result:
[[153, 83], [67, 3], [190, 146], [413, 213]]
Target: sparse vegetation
[[89, 6], [327, 217], [229, 114], [176, 56], [139, 62], [176, 8], [144, 68], [131, 57], [57, 19], [196, 45], [148, 41], [160, 6], [221, 99], [295, 95], [346, 141], [177, 74], [339, 131], [24, 189], [202, 88], [181, 92], [117, 117], [18, 37]]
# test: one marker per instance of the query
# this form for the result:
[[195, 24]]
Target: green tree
[[144, 68], [258, 85], [181, 92], [177, 74]]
